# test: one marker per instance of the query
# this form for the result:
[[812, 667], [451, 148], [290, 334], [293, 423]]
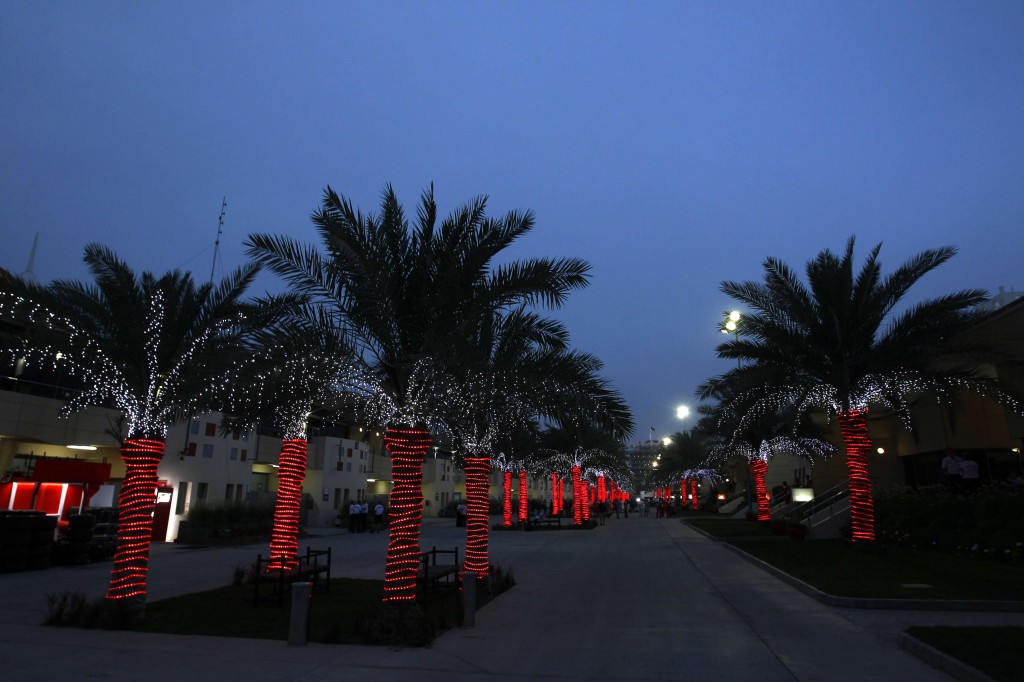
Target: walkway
[[637, 599]]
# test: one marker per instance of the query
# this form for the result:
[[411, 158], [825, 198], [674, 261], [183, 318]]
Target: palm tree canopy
[[837, 342], [409, 293], [149, 344]]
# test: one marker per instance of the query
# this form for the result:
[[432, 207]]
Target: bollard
[[469, 599], [298, 625]]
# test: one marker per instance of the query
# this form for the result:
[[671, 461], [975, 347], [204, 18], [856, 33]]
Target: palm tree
[[836, 343], [283, 382], [149, 345], [407, 296]]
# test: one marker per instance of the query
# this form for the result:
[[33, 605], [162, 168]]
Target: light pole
[[682, 412], [731, 325]]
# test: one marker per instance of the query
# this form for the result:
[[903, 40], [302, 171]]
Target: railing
[[827, 499]]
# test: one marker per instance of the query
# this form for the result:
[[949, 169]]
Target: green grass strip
[[840, 569]]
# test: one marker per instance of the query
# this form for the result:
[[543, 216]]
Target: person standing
[[378, 517], [353, 516], [951, 468], [364, 515], [969, 473]]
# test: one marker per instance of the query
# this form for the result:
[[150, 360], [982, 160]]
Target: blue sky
[[671, 144]]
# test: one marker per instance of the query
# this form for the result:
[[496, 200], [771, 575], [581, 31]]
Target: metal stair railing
[[818, 503]]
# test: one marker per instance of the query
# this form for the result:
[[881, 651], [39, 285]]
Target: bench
[[432, 574], [548, 521], [314, 567]]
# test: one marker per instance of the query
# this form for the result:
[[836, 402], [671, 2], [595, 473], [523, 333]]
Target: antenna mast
[[220, 230]]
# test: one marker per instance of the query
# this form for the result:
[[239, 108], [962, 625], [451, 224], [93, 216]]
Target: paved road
[[637, 599]]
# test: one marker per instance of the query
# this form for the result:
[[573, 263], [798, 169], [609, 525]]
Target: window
[[234, 454], [201, 491], [350, 452], [211, 429], [348, 466], [245, 453], [235, 434], [229, 492], [239, 491], [191, 450], [193, 428], [207, 450], [337, 498], [180, 505]]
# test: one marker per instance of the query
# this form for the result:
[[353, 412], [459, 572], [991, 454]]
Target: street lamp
[[731, 325]]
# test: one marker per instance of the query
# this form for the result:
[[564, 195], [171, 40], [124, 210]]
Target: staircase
[[825, 514]]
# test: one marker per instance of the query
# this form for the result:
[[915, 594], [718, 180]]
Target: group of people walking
[[358, 517]]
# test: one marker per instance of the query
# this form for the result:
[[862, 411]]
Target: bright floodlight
[[734, 316], [666, 440], [682, 412], [730, 326]]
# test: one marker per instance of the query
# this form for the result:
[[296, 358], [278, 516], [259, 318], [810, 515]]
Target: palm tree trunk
[[854, 427], [556, 507], [694, 502], [585, 488], [478, 472], [135, 505], [284, 540], [759, 468], [407, 446], [524, 497], [507, 502], [577, 497]]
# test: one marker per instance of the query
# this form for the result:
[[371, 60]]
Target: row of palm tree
[[412, 327]]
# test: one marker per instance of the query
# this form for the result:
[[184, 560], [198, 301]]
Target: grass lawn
[[351, 613], [892, 573], [726, 527], [993, 650]]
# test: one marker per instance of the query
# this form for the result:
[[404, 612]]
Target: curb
[[953, 667]]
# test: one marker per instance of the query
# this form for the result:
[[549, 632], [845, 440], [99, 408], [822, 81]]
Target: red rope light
[[561, 495], [478, 483], [407, 446], [854, 427], [577, 497], [284, 539], [135, 504], [507, 502], [759, 468], [602, 490], [694, 504], [524, 497], [556, 495]]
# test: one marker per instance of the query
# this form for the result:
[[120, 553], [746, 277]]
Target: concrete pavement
[[637, 599]]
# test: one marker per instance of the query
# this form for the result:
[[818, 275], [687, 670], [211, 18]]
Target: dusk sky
[[673, 145]]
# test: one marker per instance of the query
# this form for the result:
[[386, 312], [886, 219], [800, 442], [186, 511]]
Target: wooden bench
[[314, 566], [432, 574]]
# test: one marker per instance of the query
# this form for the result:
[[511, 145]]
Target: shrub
[[72, 609], [989, 523]]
